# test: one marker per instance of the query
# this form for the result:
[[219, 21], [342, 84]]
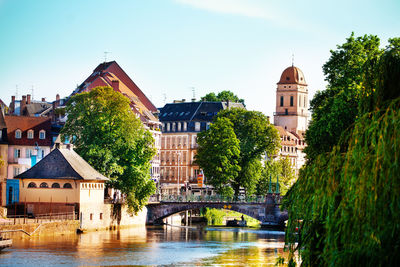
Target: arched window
[[282, 101], [44, 185], [55, 185], [32, 185], [42, 134], [67, 185], [30, 134], [291, 101], [18, 134]]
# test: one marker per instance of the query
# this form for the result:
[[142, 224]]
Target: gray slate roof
[[62, 163]]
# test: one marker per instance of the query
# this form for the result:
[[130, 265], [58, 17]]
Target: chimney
[[22, 105], [115, 85], [57, 97], [12, 105], [43, 99], [28, 100]]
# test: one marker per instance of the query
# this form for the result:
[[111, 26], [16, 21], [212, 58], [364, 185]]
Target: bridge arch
[[156, 212]]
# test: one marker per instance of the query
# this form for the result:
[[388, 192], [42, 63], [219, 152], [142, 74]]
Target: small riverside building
[[63, 182]]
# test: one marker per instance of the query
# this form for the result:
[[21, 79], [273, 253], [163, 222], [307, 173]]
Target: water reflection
[[150, 246]]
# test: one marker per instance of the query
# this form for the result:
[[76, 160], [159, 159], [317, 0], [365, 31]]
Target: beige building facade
[[291, 115]]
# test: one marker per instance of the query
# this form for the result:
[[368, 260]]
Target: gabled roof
[[2, 120], [62, 163], [112, 67], [25, 123], [37, 108]]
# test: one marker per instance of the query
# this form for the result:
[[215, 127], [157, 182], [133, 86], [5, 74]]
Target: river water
[[150, 246]]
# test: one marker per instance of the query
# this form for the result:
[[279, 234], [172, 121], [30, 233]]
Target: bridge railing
[[218, 198]]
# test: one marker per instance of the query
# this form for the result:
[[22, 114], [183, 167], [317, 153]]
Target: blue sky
[[169, 47]]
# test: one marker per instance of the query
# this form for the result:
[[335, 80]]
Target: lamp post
[[178, 186]]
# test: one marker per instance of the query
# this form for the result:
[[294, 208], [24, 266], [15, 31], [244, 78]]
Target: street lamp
[[178, 186]]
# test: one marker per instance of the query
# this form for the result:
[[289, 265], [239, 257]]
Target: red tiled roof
[[292, 75], [116, 70], [25, 123]]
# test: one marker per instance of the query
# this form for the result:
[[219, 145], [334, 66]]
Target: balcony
[[290, 114]]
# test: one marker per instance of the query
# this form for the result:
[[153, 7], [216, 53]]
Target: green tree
[[346, 200], [221, 169], [256, 136], [335, 109], [222, 96], [281, 168], [108, 135]]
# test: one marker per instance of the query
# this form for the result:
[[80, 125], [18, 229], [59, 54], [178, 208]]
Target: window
[[168, 127], [42, 134], [67, 185], [17, 153], [18, 134], [179, 127], [32, 185], [44, 185], [42, 154], [185, 126], [91, 216], [281, 100], [55, 185], [173, 127], [291, 101], [101, 216], [28, 153], [16, 171], [197, 126], [30, 134], [286, 111]]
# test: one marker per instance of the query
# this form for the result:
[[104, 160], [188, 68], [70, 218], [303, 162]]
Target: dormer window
[[42, 134], [18, 134], [30, 134]]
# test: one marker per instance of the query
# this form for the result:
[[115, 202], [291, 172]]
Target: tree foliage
[[346, 202], [221, 169], [255, 136], [108, 135], [335, 109], [225, 95], [281, 168]]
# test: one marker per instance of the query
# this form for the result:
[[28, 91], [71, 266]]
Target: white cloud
[[245, 8]]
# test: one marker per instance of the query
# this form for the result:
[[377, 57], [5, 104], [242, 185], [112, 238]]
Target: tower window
[[281, 101], [291, 101]]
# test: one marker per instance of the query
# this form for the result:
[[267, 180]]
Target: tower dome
[[292, 75]]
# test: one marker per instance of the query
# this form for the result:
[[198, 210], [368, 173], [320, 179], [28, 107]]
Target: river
[[150, 246]]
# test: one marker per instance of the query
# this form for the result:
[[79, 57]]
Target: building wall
[[111, 216], [55, 195], [173, 144], [23, 163], [3, 173]]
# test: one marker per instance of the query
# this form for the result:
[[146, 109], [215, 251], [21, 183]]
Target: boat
[[236, 223], [5, 243]]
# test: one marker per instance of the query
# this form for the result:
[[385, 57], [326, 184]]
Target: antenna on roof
[[16, 91], [32, 92], [193, 91], [105, 56], [292, 59]]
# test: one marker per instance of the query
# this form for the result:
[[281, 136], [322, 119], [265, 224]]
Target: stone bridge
[[267, 212]]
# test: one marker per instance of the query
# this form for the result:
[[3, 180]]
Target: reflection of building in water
[[291, 115]]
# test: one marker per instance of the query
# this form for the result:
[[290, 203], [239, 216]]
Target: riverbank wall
[[41, 229], [109, 216]]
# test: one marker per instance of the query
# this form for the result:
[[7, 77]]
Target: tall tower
[[292, 101]]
